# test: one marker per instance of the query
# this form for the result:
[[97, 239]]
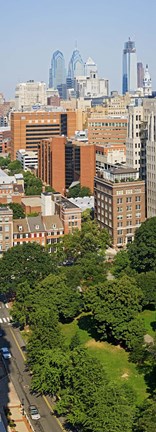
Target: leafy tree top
[[142, 252]]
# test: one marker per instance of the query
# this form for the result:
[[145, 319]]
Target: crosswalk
[[4, 320]]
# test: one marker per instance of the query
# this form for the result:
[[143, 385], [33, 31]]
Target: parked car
[[5, 353], [34, 412]]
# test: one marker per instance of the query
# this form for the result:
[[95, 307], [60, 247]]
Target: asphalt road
[[20, 377]]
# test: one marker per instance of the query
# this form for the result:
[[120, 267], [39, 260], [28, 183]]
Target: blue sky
[[30, 30]]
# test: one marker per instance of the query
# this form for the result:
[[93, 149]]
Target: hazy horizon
[[33, 30]]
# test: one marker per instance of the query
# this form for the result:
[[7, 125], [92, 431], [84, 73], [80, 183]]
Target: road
[[20, 377]]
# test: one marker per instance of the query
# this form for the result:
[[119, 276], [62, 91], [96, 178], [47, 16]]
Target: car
[[34, 412], [5, 353]]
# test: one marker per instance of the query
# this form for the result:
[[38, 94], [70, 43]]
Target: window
[[119, 231], [129, 222], [119, 240], [129, 191], [138, 215], [129, 208], [119, 192], [137, 190], [138, 221], [119, 224], [137, 207], [128, 199], [1, 219], [137, 198], [129, 230], [6, 219], [129, 216], [119, 200], [7, 237], [119, 217], [0, 228], [6, 228], [119, 209]]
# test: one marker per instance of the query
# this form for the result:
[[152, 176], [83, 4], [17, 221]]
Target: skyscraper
[[140, 75], [57, 72], [90, 66], [76, 65], [129, 78], [147, 83]]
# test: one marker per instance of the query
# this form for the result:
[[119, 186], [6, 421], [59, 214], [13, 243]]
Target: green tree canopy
[[29, 262], [147, 283], [15, 167], [32, 184], [142, 252], [78, 191], [115, 304], [146, 417]]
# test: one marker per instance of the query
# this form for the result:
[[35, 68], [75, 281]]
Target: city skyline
[[31, 38]]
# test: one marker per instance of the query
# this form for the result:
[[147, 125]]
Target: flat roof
[[34, 201], [123, 170], [68, 204]]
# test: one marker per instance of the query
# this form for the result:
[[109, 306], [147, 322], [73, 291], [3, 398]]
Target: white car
[[34, 412], [5, 353]]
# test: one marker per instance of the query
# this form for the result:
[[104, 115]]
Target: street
[[20, 377]]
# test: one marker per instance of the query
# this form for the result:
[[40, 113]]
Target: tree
[[120, 263], [78, 191], [22, 305], [4, 162], [147, 283], [15, 167], [18, 212], [32, 184], [146, 417], [142, 252], [29, 261], [89, 402], [114, 305]]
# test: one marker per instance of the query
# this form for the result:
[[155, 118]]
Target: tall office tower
[[140, 75], [57, 72], [147, 83], [90, 66], [129, 78], [76, 65], [133, 143], [30, 93], [29, 128]]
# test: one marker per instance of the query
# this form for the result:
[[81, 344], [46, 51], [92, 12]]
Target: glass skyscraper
[[57, 72], [76, 65], [129, 77]]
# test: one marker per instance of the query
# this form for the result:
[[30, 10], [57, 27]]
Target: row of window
[[128, 208], [128, 200], [128, 191]]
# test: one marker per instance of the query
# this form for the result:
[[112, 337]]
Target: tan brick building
[[119, 203], [107, 130], [29, 128], [51, 162]]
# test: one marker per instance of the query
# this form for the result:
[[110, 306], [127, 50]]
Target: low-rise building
[[28, 159], [119, 203]]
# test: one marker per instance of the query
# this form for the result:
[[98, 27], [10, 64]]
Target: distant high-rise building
[[76, 65], [129, 78], [140, 75], [57, 72], [30, 93], [147, 83], [90, 66]]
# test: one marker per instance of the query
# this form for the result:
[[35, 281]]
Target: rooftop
[[49, 221], [68, 204], [34, 201]]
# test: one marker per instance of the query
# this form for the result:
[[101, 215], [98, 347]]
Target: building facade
[[57, 72], [140, 75], [51, 162], [133, 143], [76, 65], [147, 83], [28, 159], [6, 229], [129, 77], [119, 204], [29, 128], [107, 130], [30, 93]]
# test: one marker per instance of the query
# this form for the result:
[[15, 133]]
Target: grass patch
[[149, 318], [113, 358]]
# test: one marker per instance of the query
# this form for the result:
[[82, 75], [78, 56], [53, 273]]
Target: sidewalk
[[21, 421]]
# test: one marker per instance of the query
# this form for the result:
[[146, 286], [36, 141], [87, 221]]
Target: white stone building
[[30, 93]]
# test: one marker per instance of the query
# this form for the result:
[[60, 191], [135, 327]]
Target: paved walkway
[[22, 422]]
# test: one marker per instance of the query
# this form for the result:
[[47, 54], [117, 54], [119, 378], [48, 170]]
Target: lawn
[[149, 318], [113, 358]]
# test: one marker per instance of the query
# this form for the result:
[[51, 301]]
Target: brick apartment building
[[60, 162], [107, 130], [119, 203], [29, 128], [11, 188], [6, 229]]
